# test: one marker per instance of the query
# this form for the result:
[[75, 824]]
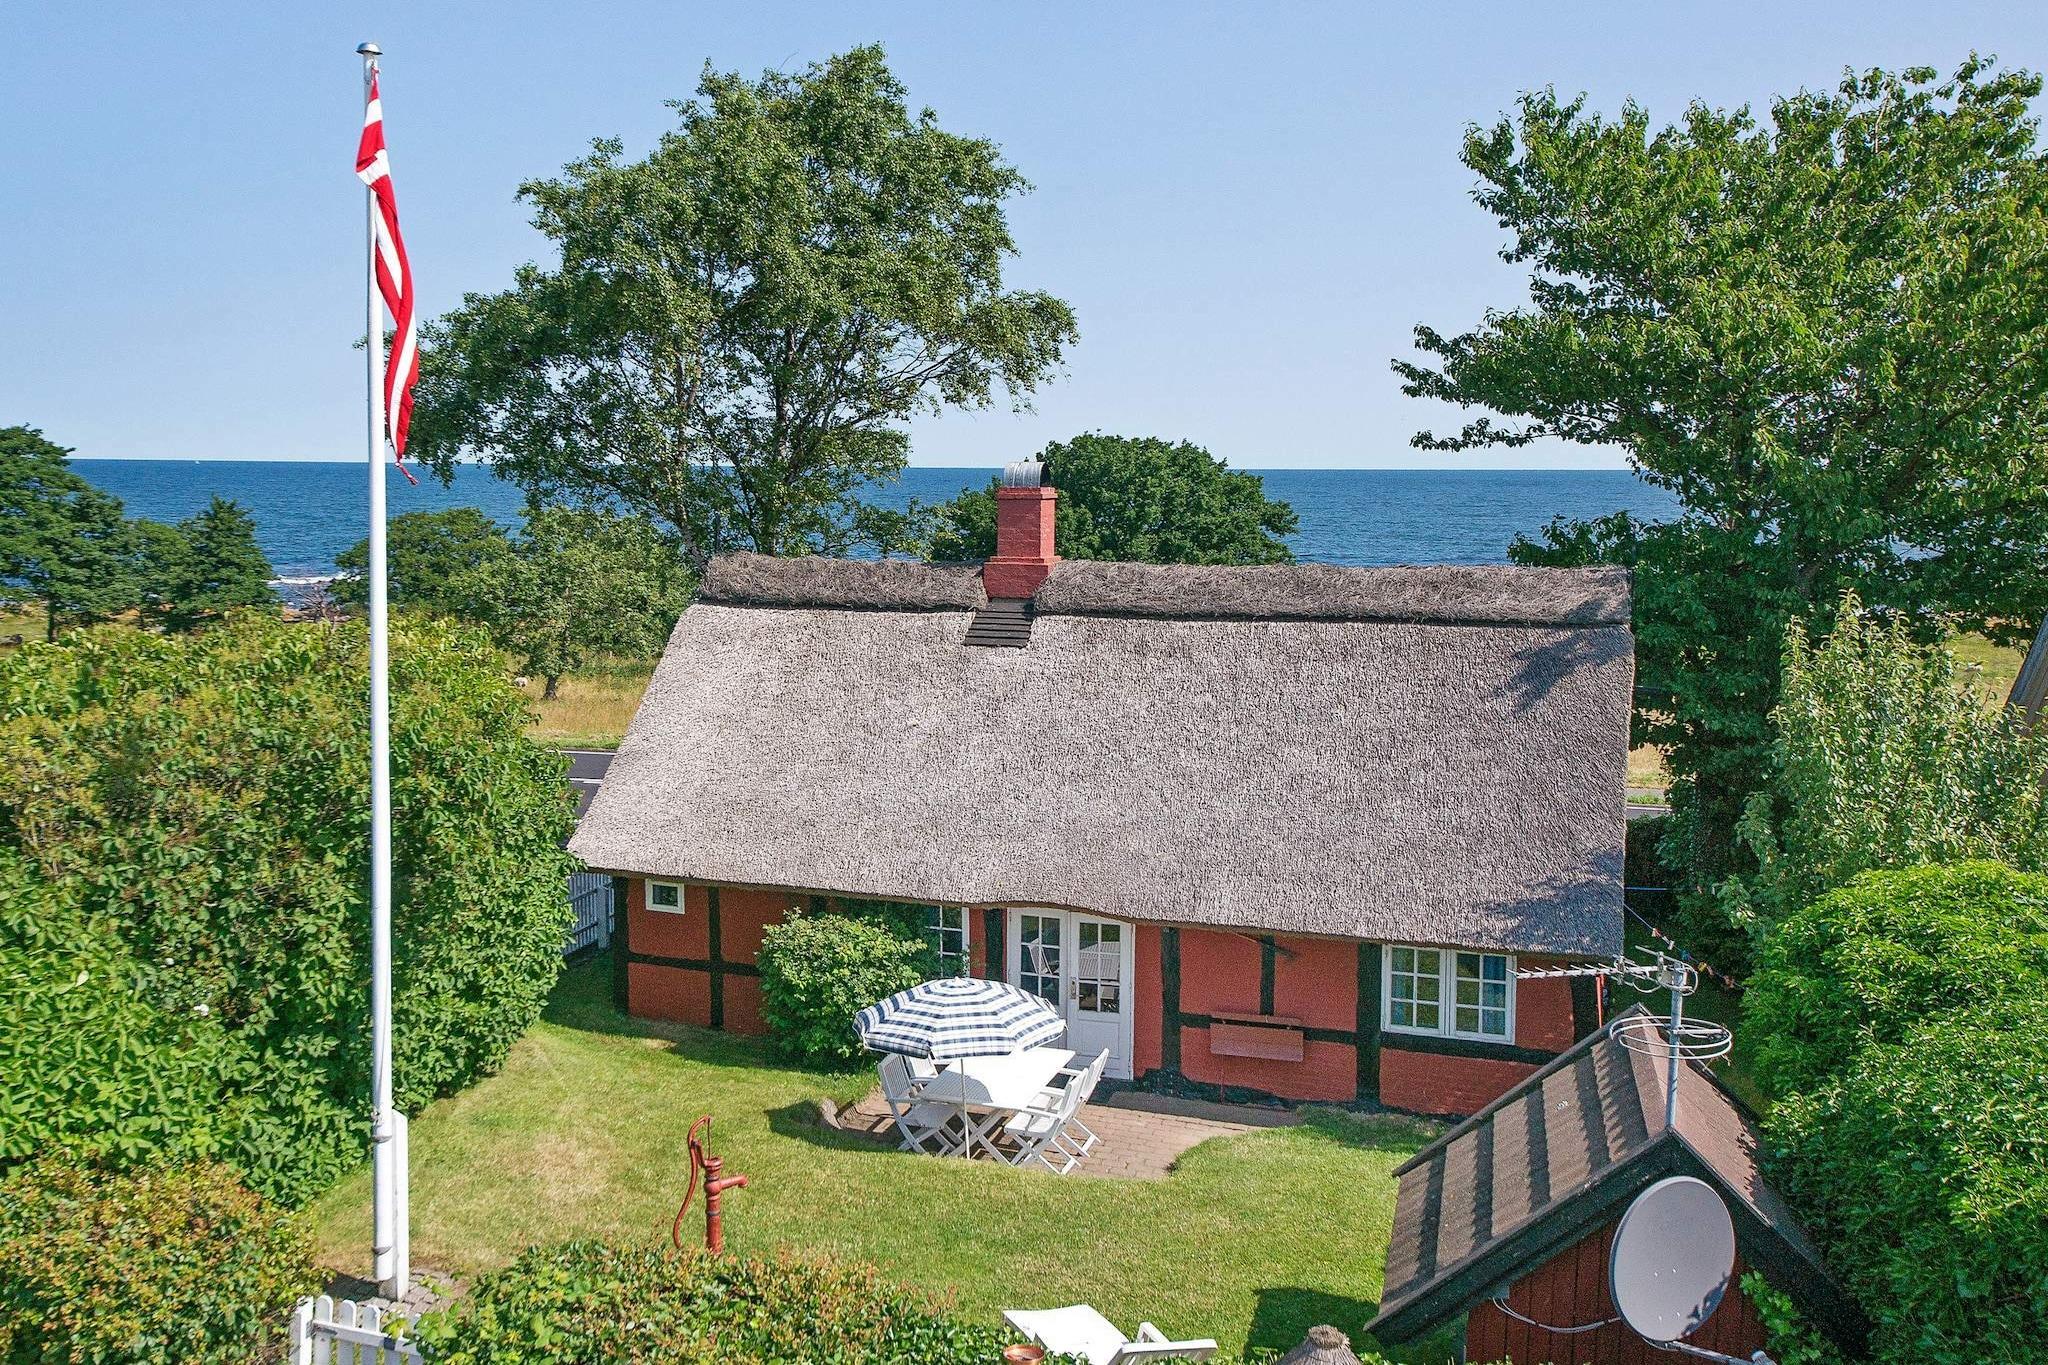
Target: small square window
[[665, 896]]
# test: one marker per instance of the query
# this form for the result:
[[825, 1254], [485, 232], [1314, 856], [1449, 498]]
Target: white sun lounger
[[1079, 1330]]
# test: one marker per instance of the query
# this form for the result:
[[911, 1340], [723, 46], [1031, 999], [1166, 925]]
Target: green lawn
[[1252, 1240]]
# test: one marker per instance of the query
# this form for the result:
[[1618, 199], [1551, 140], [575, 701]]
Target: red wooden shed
[[1508, 1217]]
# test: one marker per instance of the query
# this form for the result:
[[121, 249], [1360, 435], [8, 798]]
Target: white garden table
[[1001, 1085]]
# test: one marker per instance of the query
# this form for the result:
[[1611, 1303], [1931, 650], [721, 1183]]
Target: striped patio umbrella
[[959, 1016]]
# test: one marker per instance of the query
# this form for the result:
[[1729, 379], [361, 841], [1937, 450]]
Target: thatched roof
[[1392, 754], [1560, 1154]]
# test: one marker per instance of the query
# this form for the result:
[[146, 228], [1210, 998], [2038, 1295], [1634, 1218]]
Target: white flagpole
[[389, 1239]]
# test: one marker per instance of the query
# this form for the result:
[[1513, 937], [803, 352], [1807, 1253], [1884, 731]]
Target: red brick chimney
[[1024, 533]]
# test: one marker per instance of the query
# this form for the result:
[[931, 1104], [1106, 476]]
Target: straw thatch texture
[[856, 585], [1475, 595], [1391, 781]]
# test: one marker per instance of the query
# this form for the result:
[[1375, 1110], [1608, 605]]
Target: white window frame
[[682, 901], [966, 953], [1447, 994]]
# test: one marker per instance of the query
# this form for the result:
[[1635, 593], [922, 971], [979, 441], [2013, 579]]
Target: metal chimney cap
[[369, 50], [1024, 474]]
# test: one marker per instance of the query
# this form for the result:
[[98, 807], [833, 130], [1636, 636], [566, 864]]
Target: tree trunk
[[554, 684]]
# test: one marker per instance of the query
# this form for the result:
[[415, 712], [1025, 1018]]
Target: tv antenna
[[1677, 1038], [1671, 1263]]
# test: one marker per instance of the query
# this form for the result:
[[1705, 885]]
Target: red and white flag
[[394, 277]]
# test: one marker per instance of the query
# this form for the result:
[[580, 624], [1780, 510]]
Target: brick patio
[[1142, 1135]]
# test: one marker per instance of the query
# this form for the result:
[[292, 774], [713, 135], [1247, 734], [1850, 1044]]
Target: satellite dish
[[1673, 1256]]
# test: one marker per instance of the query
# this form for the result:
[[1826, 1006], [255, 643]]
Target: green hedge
[[90, 1066], [159, 1264], [1922, 1166], [204, 800], [818, 971], [589, 1301], [1885, 952]]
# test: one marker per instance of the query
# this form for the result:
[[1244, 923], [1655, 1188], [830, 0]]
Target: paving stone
[[1141, 1135]]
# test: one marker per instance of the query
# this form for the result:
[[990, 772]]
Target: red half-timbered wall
[[1197, 994]]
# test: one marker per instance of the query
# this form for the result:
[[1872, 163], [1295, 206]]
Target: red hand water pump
[[716, 1183]]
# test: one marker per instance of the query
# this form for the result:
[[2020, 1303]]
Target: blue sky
[[1249, 206]]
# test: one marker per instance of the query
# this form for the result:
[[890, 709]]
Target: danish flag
[[394, 277]]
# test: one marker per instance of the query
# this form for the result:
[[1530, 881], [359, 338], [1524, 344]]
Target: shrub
[[90, 1066], [206, 799], [589, 1301], [1885, 758], [159, 1264], [818, 971], [1870, 961], [1923, 1169]]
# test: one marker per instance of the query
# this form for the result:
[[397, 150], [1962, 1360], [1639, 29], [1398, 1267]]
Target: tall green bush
[[156, 1265], [1871, 961], [1883, 759], [1922, 1166], [205, 799], [818, 971], [588, 1301], [88, 1065]]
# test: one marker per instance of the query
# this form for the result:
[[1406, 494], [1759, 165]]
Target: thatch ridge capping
[[1489, 595], [814, 581], [1474, 595]]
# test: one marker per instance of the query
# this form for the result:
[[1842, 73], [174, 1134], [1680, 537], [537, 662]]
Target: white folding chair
[[921, 1122], [1037, 1129], [1079, 1330], [1089, 1077]]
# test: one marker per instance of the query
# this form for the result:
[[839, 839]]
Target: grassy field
[[1990, 668], [1252, 1240], [26, 620], [590, 710]]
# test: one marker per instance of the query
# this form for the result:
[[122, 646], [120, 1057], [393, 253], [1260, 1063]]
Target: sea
[[307, 512]]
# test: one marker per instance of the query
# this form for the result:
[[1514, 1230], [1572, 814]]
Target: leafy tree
[[1882, 758], [738, 324], [207, 564], [1870, 961], [62, 541], [202, 801], [1136, 498], [428, 555], [1825, 332], [579, 584]]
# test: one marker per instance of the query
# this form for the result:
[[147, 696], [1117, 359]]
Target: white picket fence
[[327, 1331]]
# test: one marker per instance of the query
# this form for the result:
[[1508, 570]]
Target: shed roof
[[1562, 1154], [1431, 754]]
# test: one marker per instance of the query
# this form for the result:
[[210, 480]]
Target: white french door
[[1082, 965]]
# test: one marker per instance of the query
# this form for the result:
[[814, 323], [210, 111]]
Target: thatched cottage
[[1261, 831]]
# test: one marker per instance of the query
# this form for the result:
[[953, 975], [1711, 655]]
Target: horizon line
[[1469, 468]]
